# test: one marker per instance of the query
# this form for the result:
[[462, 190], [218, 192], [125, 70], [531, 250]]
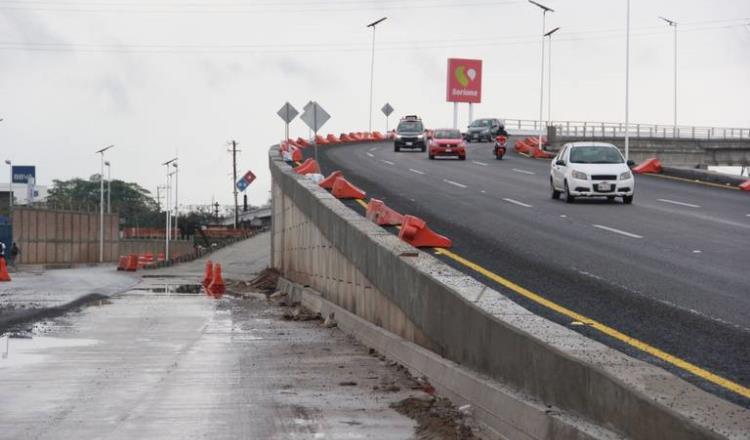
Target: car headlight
[[486, 130], [398, 136], [626, 175], [420, 136], [580, 176]]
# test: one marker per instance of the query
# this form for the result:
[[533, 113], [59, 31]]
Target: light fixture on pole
[[10, 183], [167, 209], [549, 74], [627, 82], [176, 198], [545, 9], [101, 203], [673, 24], [372, 64], [109, 187]]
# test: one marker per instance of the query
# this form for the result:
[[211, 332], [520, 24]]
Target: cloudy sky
[[160, 78]]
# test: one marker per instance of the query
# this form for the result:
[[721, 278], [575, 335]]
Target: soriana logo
[[464, 80]]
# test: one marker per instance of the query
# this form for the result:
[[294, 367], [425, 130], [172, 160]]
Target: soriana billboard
[[464, 80]]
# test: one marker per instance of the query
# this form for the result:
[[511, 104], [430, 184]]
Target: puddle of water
[[191, 289], [20, 350]]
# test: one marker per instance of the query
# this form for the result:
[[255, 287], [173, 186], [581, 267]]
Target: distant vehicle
[[591, 169], [484, 130], [410, 133], [499, 148], [447, 142]]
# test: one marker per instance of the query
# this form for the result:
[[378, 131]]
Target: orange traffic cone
[[217, 286], [209, 276], [4, 275]]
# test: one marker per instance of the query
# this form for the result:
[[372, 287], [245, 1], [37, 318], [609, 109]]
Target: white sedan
[[591, 169]]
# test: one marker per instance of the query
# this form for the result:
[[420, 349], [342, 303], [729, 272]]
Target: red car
[[499, 148], [447, 142]]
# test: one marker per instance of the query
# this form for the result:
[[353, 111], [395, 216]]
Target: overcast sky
[[160, 78]]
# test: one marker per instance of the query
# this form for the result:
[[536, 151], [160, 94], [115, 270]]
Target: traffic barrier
[[123, 262], [4, 275], [320, 140], [378, 136], [392, 135], [161, 257], [541, 154], [745, 186], [294, 143], [414, 231], [379, 213], [332, 139], [208, 275], [345, 137], [307, 167], [302, 143], [296, 154], [217, 286], [521, 146], [328, 182], [132, 265], [649, 166], [343, 189]]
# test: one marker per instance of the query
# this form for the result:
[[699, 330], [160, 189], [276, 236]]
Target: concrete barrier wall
[[136, 246], [319, 242], [63, 237]]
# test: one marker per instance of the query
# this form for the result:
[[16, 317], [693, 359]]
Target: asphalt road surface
[[670, 270]]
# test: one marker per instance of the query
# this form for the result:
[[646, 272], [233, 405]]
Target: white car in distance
[[591, 169]]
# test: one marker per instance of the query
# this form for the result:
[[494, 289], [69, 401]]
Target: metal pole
[[109, 187], [101, 203], [627, 83], [10, 185], [541, 82], [549, 81], [471, 112], [167, 209], [675, 76], [372, 69], [455, 115], [176, 199]]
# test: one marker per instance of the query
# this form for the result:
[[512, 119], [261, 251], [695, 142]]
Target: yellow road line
[[609, 331], [699, 182], [362, 202]]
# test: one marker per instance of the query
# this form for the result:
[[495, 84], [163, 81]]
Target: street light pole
[[549, 74], [673, 24], [10, 184], [109, 187], [176, 198], [627, 83], [101, 203], [545, 9], [372, 64], [167, 210]]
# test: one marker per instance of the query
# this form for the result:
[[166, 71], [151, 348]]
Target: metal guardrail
[[617, 129]]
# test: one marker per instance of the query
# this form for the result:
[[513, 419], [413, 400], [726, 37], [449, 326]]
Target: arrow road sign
[[287, 112], [314, 116], [387, 109]]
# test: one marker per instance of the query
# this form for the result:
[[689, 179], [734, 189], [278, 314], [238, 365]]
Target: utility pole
[[234, 151]]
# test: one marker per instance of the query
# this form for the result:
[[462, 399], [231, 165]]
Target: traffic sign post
[[287, 113], [387, 110], [315, 117]]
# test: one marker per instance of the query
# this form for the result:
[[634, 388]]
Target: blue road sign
[[21, 173]]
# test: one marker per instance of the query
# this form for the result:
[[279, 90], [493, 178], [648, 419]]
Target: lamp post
[[372, 64], [10, 183], [673, 24], [167, 209], [176, 198], [627, 82], [549, 74], [545, 9], [109, 187], [101, 203]]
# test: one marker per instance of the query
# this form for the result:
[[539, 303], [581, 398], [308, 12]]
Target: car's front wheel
[[432, 157], [462, 157], [627, 199], [396, 148], [555, 193], [424, 149], [568, 197]]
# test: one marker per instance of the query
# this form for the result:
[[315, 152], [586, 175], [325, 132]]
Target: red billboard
[[464, 80]]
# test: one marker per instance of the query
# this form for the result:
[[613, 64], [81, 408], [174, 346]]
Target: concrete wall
[[136, 246], [319, 242], [63, 237]]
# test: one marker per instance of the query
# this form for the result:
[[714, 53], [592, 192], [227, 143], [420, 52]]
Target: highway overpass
[[662, 281]]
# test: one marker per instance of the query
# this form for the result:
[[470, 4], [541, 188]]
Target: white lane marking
[[747, 215], [516, 202], [480, 163], [617, 231], [674, 202], [524, 171], [563, 216], [416, 171], [373, 148], [483, 192], [460, 185], [370, 154], [387, 161], [697, 251]]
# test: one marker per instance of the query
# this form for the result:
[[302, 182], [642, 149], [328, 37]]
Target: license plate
[[474, 136], [448, 150], [604, 186], [409, 144]]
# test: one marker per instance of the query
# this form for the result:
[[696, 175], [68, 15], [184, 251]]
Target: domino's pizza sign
[[245, 181]]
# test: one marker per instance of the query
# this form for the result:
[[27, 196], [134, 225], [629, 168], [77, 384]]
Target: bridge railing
[[582, 129]]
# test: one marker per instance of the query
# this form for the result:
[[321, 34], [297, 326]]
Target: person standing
[[15, 251]]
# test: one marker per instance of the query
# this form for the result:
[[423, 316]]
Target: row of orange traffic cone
[[4, 275], [213, 281]]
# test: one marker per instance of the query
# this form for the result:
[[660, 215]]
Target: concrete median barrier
[[566, 381]]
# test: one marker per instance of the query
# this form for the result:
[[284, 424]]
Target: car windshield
[[447, 134], [410, 126], [481, 123], [598, 154]]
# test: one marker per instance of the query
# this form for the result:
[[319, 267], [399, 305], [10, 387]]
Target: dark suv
[[484, 130], [410, 134]]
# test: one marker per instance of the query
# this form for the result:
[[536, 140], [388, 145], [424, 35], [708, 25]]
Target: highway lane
[[668, 270]]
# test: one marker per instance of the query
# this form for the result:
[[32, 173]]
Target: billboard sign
[[22, 173], [464, 80]]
